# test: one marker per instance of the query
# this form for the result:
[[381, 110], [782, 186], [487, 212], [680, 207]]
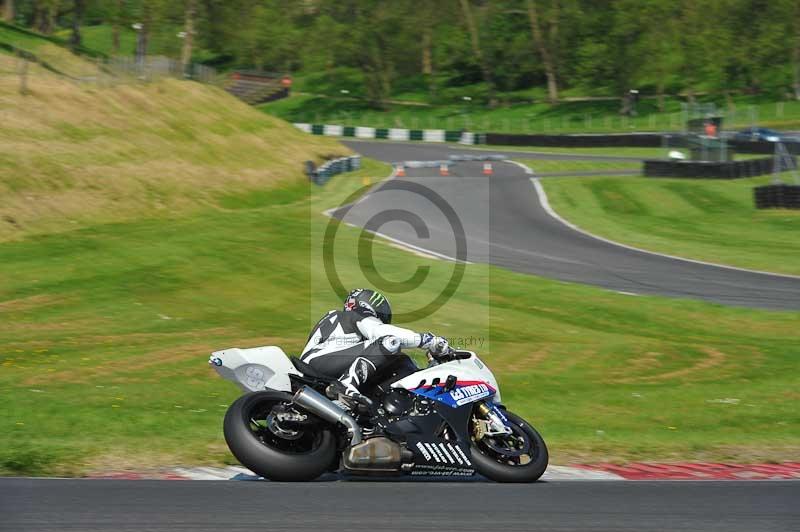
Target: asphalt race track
[[46, 505], [506, 225]]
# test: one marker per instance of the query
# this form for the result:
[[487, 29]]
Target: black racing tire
[[269, 461], [489, 467]]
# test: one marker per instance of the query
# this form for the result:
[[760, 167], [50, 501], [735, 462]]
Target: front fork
[[492, 421]]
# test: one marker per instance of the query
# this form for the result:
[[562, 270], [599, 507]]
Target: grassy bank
[[712, 220], [77, 155], [566, 117]]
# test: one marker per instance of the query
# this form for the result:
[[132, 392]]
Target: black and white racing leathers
[[353, 346]]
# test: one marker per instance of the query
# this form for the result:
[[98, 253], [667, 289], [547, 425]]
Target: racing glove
[[437, 345]]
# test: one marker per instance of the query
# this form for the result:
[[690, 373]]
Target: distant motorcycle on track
[[443, 420]]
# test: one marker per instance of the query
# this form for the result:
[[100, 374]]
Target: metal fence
[[101, 70], [154, 67]]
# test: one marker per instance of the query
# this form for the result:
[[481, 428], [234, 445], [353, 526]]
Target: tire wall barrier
[[621, 140], [321, 174], [710, 170], [640, 140], [397, 134], [777, 195], [762, 146]]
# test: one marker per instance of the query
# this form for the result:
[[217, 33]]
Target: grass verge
[[712, 220], [544, 166], [77, 155]]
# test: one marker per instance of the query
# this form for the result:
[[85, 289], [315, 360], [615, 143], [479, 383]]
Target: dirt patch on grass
[[713, 359], [518, 359], [23, 304]]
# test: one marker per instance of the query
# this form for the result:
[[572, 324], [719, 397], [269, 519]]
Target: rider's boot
[[349, 398]]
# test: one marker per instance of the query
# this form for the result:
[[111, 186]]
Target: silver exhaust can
[[318, 404]]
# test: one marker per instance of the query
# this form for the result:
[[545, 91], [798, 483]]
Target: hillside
[[73, 153]]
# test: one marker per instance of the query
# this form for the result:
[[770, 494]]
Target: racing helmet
[[370, 303]]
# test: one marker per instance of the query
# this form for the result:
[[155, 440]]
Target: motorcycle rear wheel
[[527, 456], [257, 448]]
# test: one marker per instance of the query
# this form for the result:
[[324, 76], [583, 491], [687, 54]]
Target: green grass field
[[100, 38], [640, 153], [566, 117], [107, 330], [55, 55], [20, 40], [712, 220], [140, 240]]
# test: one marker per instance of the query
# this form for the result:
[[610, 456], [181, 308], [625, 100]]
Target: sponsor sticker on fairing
[[424, 451], [467, 394]]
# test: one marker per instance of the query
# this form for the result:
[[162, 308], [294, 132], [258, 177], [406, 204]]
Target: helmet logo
[[377, 298], [366, 306]]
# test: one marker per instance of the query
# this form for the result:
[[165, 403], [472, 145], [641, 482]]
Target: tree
[[8, 10], [45, 15], [116, 22], [426, 16], [661, 57], [486, 68], [796, 52], [77, 21], [546, 45], [143, 30], [188, 34]]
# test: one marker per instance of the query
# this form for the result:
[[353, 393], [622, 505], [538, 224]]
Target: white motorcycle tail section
[[255, 369], [469, 370]]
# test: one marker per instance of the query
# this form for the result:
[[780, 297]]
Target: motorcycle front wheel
[[518, 457], [276, 454]]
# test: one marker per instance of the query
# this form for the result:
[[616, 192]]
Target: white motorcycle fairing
[[474, 381], [255, 369]]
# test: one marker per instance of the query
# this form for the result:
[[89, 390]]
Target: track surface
[[155, 506], [506, 225]]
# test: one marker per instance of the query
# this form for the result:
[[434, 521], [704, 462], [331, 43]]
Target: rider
[[354, 343]]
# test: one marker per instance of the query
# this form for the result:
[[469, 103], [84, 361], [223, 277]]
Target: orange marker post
[[444, 169], [487, 168], [400, 171]]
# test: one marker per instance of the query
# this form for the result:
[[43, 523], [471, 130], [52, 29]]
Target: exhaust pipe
[[318, 404]]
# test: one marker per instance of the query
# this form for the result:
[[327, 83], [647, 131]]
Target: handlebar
[[450, 354]]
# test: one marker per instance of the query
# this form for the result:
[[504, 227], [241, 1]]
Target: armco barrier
[[398, 134], [709, 170], [634, 140], [777, 196], [323, 173]]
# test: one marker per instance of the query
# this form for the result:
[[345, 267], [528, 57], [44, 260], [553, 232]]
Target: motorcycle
[[444, 420]]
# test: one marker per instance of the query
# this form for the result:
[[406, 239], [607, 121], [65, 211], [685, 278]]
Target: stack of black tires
[[777, 196]]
